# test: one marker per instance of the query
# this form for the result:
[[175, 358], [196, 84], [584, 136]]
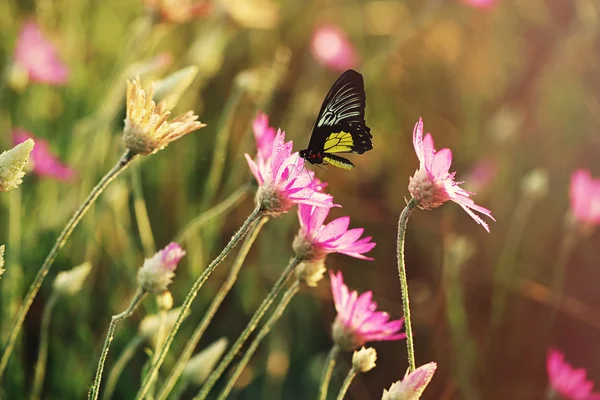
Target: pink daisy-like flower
[[585, 197], [331, 47], [45, 163], [158, 271], [568, 381], [315, 240], [357, 322], [38, 57], [480, 3], [413, 385], [283, 183], [432, 184], [264, 135]]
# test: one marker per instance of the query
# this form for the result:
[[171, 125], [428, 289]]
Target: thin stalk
[[137, 299], [251, 327], [328, 371], [558, 281], [198, 222], [283, 303], [187, 303], [121, 165], [125, 356], [403, 281], [160, 337], [11, 287], [212, 310], [346, 384], [141, 212], [40, 366]]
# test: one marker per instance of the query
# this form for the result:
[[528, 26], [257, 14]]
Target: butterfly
[[340, 126]]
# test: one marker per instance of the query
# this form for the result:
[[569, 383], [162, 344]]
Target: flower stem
[[404, 283], [210, 313], [40, 366], [283, 303], [137, 298], [251, 327], [346, 384], [558, 280], [125, 356], [198, 222], [328, 371], [121, 165], [141, 212], [187, 303]]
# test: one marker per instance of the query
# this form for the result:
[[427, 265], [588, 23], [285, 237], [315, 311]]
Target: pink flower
[[357, 322], [413, 385], [566, 380], [330, 46], [482, 175], [283, 183], [45, 163], [585, 197], [433, 184], [480, 3], [264, 135], [38, 56], [315, 240], [158, 271]]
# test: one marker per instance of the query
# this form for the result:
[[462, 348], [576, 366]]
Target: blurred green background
[[510, 88]]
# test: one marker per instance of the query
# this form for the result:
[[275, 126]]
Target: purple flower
[[38, 57], [433, 185], [566, 380], [158, 271], [284, 183], [357, 322], [331, 47], [413, 385], [315, 240], [585, 197], [45, 163]]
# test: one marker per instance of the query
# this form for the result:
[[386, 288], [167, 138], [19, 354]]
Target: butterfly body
[[340, 126]]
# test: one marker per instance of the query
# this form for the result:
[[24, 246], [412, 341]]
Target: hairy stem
[[328, 371], [125, 356], [40, 366], [346, 384]]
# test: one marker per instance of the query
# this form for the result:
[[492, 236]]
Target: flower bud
[[12, 163], [70, 282], [150, 324], [311, 272], [412, 386], [535, 183], [201, 365], [363, 360], [157, 272], [164, 301], [2, 260]]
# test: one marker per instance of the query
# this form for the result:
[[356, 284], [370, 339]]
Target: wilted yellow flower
[[363, 360], [146, 127], [11, 165]]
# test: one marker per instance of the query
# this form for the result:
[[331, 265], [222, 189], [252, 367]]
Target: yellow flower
[[146, 127]]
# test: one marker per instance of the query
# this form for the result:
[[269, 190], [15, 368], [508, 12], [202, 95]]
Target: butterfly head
[[312, 156]]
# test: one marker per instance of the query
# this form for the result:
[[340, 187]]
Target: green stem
[[137, 298], [403, 281], [121, 165], [198, 222], [40, 366], [346, 384], [160, 337], [328, 371], [283, 303], [558, 281], [251, 327], [210, 313], [125, 356], [141, 212], [187, 303]]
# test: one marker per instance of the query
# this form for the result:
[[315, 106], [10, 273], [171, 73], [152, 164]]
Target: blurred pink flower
[[357, 322], [566, 380], [331, 47], [481, 3], [482, 175], [264, 135], [585, 197], [317, 240], [37, 55], [413, 385], [283, 183], [158, 271], [433, 184], [45, 163]]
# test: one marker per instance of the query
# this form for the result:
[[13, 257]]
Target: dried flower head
[[568, 381], [2, 260], [45, 163], [158, 271], [150, 324], [357, 322], [146, 127], [12, 163], [433, 185], [412, 386], [363, 360], [201, 365], [311, 272], [70, 282]]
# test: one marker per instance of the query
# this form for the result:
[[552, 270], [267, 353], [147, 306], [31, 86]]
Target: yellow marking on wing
[[339, 142], [338, 163]]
